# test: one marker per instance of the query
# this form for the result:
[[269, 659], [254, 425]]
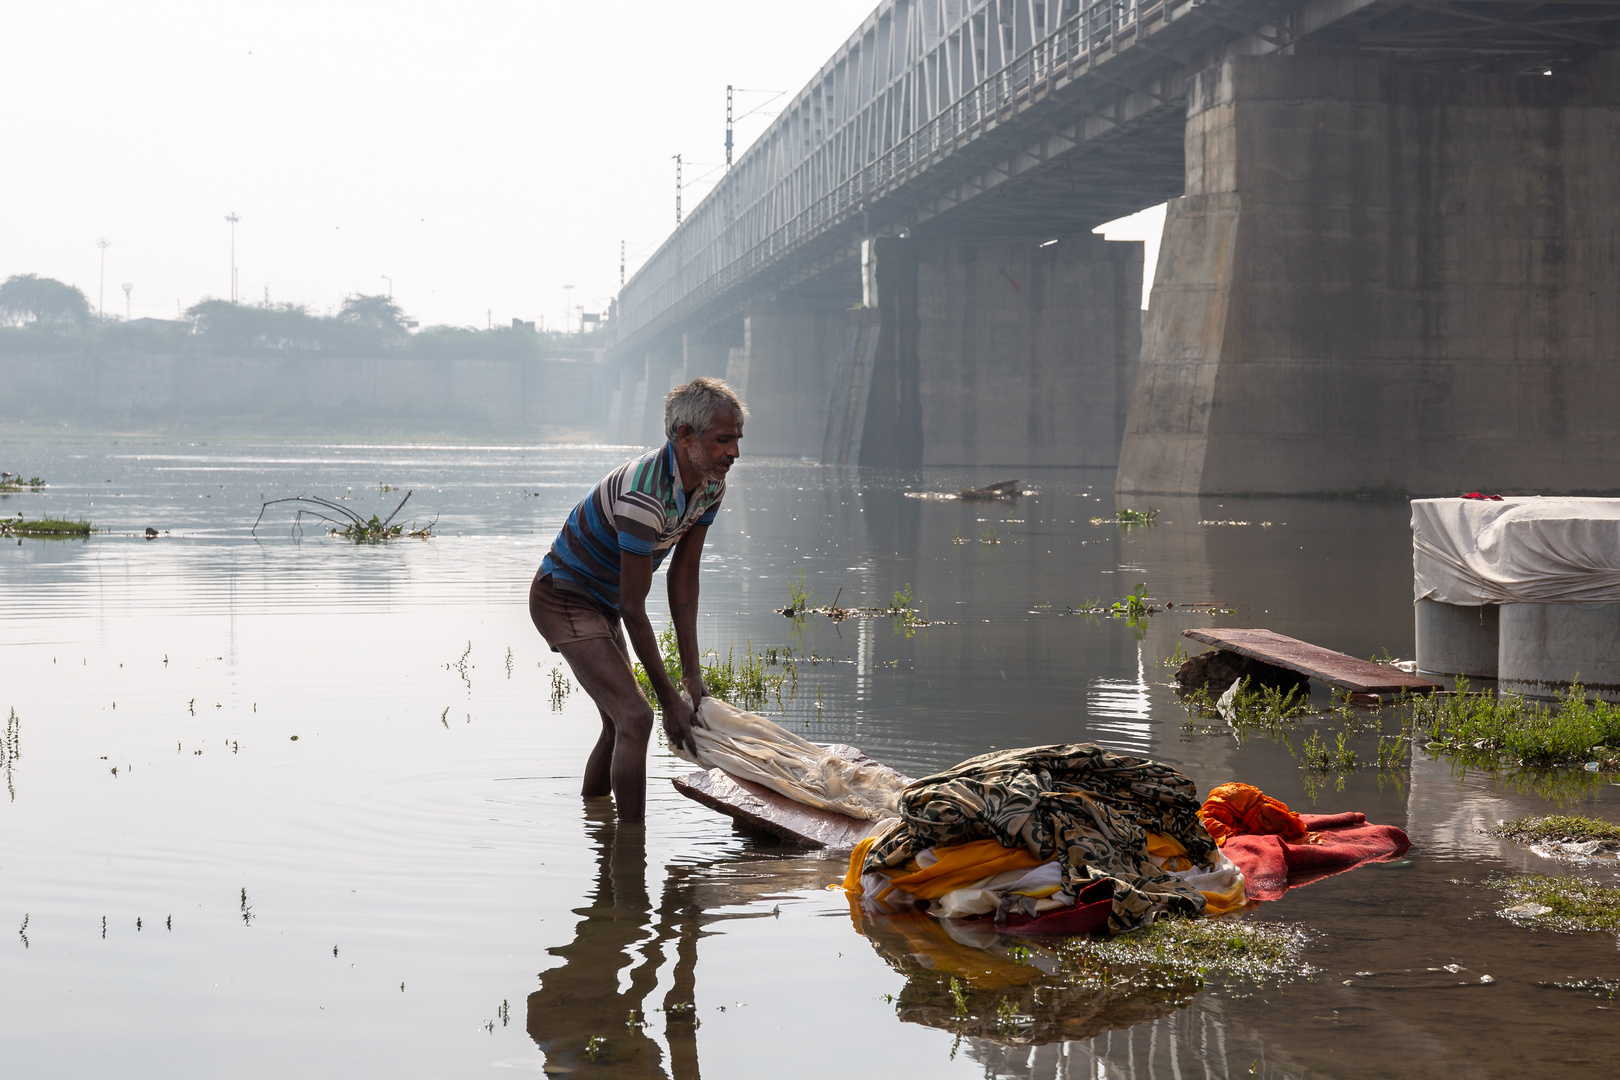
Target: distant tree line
[[43, 315]]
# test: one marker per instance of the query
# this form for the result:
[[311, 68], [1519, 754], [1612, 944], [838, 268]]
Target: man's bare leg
[[598, 767], [604, 673]]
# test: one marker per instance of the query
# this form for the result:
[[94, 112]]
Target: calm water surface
[[290, 807]]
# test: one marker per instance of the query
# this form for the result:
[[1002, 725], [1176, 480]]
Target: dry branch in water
[[349, 525]]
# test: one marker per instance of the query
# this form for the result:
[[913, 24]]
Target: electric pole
[[568, 304], [129, 287], [390, 281], [233, 219], [621, 264], [677, 189], [728, 127], [101, 293]]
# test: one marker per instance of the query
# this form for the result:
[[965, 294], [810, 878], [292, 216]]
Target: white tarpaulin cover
[[753, 748], [1522, 550]]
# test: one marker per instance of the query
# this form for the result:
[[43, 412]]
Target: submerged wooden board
[[1334, 668], [761, 808]]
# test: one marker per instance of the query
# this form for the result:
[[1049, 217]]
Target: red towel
[[1348, 841]]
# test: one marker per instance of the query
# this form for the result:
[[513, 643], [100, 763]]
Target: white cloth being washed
[[753, 748], [1522, 550]]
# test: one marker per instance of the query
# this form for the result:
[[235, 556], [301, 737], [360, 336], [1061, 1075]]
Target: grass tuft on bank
[[1567, 905]]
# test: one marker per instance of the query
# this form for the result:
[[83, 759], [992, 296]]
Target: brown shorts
[[564, 617]]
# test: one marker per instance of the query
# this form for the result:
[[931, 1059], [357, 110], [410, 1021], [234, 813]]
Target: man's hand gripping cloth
[[753, 748], [1085, 806]]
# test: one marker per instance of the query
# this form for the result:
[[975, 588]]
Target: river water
[[287, 806]]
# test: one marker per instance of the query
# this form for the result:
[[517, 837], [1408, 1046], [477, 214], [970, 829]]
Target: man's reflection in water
[[1013, 1005], [580, 1018]]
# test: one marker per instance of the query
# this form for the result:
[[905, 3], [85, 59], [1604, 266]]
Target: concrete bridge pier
[[784, 371], [1000, 353], [1382, 279], [642, 396]]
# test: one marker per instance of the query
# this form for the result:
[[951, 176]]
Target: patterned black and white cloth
[[1088, 807]]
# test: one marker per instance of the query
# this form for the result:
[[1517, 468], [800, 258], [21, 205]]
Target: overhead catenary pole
[[728, 127], [677, 189], [232, 219], [390, 281], [129, 287], [621, 264], [568, 300], [101, 292]]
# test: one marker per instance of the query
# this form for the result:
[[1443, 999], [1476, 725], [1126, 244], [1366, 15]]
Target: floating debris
[[1002, 491]]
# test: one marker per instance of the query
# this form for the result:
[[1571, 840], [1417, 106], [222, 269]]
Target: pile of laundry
[[1076, 839], [1062, 839], [1026, 836]]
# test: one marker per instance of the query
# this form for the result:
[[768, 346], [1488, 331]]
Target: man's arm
[[683, 606], [635, 579]]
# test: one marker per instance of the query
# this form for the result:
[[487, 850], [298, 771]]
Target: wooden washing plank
[[1334, 668], [761, 808]]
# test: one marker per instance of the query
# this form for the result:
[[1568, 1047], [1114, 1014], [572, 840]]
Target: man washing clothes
[[591, 590]]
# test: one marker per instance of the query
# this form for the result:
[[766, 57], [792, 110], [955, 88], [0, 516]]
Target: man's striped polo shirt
[[639, 507]]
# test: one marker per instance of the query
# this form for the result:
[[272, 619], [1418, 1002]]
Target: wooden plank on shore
[[761, 808], [1334, 668]]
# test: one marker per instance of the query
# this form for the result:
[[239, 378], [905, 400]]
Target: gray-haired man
[[600, 568]]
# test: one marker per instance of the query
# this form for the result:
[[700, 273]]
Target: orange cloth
[[963, 864], [957, 865], [1236, 809]]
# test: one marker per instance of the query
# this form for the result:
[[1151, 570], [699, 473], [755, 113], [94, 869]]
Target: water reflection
[[589, 1016]]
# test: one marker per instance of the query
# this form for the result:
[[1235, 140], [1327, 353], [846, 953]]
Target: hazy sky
[[482, 155]]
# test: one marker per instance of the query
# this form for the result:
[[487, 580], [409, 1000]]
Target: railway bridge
[[1390, 261]]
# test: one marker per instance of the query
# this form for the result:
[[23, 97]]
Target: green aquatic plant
[[1557, 827], [1319, 757], [801, 598], [46, 527], [745, 681], [10, 483], [1126, 517], [1508, 728], [1195, 948], [560, 688], [1564, 904]]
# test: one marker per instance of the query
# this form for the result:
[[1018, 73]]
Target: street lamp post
[[233, 219], [390, 281], [129, 287], [101, 291]]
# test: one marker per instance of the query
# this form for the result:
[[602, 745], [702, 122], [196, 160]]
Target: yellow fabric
[[1168, 849], [1222, 903], [962, 864], [852, 878]]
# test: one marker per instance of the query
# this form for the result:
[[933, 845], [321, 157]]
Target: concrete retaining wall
[[272, 393]]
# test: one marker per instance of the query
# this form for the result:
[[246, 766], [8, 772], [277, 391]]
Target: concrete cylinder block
[[1457, 640], [1545, 647]]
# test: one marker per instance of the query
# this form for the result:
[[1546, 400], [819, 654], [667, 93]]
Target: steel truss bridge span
[[1021, 118]]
